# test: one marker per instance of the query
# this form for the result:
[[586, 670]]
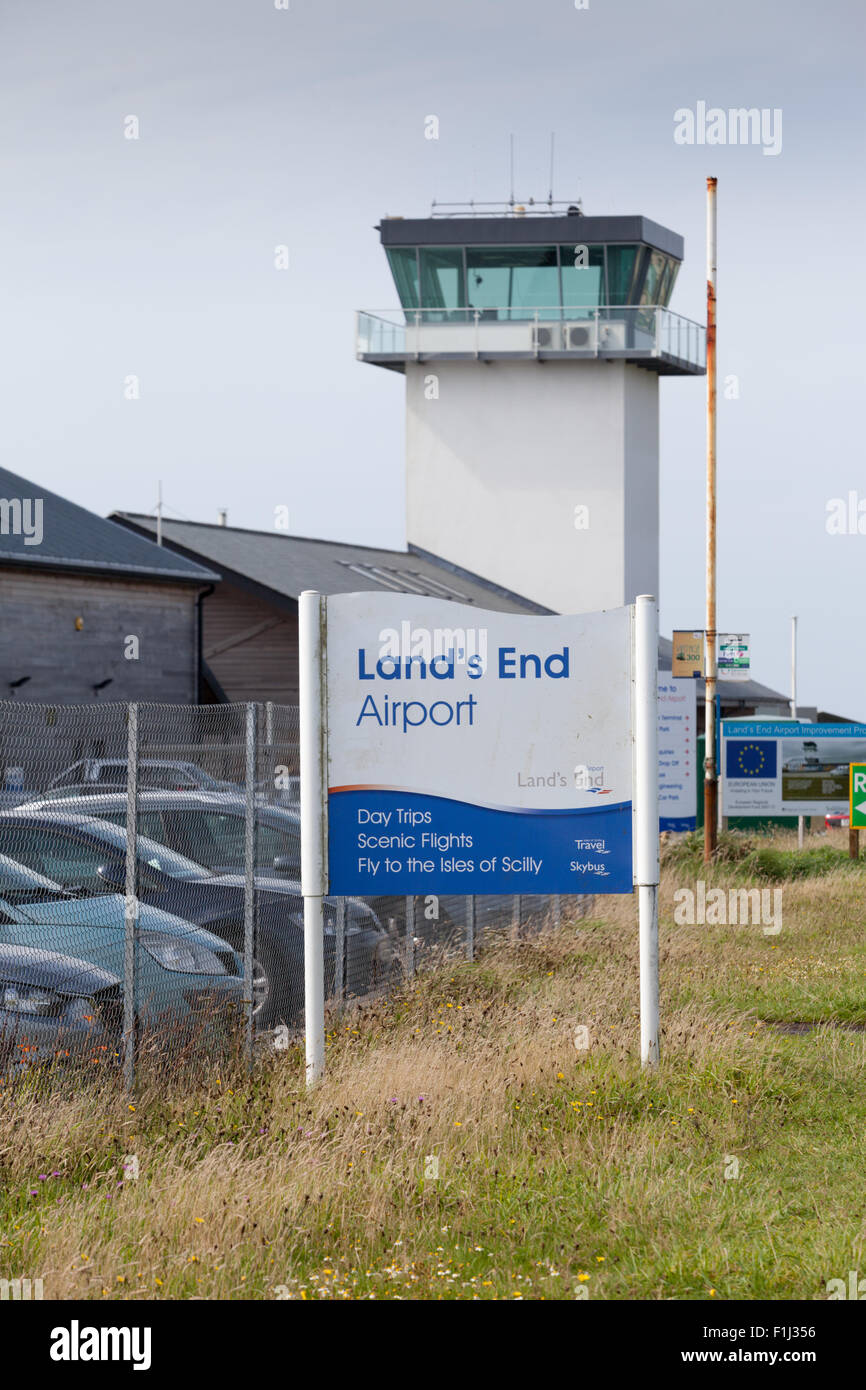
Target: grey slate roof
[[78, 540], [286, 565]]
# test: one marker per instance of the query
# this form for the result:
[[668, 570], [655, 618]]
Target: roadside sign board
[[677, 729], [445, 749], [733, 658], [787, 768], [477, 752], [688, 655], [857, 795]]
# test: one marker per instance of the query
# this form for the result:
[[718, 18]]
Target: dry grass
[[561, 1172]]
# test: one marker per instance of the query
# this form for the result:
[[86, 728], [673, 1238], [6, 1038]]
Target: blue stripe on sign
[[570, 851]]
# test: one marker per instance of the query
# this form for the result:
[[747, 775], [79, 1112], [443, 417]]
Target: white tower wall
[[499, 459]]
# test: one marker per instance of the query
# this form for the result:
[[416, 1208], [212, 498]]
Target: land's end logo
[[77, 1343]]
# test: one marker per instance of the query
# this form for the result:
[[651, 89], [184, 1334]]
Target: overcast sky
[[260, 127]]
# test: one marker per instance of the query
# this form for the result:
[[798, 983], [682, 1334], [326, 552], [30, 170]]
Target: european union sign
[[750, 757]]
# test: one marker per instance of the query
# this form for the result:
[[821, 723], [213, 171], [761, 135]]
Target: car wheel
[[278, 987]]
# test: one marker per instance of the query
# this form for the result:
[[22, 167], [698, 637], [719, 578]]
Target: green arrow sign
[[858, 796]]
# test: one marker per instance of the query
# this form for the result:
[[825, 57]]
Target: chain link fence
[[150, 897]]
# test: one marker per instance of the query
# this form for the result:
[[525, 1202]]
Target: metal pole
[[711, 785], [801, 820], [130, 971], [720, 819], [340, 960], [410, 936], [646, 819], [470, 927], [250, 876], [312, 621], [159, 515], [269, 745]]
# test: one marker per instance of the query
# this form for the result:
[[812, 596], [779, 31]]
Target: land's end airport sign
[[445, 749], [788, 768]]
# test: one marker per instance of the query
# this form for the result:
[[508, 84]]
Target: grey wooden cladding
[[251, 646], [38, 638]]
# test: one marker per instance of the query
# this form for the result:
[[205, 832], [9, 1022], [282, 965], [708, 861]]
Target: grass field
[[563, 1171]]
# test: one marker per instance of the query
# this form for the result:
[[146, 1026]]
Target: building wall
[[38, 638], [498, 461], [251, 646]]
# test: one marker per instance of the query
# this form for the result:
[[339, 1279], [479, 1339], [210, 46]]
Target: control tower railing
[[646, 334]]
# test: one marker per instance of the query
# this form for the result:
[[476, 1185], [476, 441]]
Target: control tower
[[532, 341]]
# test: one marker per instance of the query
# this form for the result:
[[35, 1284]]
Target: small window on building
[[441, 279], [404, 267], [582, 269], [512, 282]]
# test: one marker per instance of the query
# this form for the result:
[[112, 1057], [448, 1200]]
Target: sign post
[[312, 636], [646, 819]]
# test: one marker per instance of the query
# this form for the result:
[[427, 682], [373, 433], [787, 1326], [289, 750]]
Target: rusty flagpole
[[711, 772]]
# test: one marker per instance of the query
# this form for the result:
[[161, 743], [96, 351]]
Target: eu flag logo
[[751, 757]]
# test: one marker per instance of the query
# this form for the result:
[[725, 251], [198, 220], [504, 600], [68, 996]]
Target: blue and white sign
[[678, 798], [477, 752], [786, 768]]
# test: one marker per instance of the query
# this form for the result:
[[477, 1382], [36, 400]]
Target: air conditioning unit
[[546, 337], [591, 335]]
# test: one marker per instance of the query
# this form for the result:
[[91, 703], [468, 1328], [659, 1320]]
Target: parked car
[[837, 820], [181, 969], [54, 1006], [87, 855], [210, 828], [109, 774]]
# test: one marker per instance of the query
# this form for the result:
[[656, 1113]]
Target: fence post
[[470, 927], [130, 961], [249, 875], [410, 936]]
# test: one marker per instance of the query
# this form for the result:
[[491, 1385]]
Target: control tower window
[[582, 279], [512, 282], [622, 262], [653, 279], [404, 267], [441, 280]]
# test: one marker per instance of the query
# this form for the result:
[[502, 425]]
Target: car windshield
[[18, 884], [157, 856]]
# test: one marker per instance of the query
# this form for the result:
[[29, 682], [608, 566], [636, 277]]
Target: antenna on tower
[[552, 144], [511, 168]]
